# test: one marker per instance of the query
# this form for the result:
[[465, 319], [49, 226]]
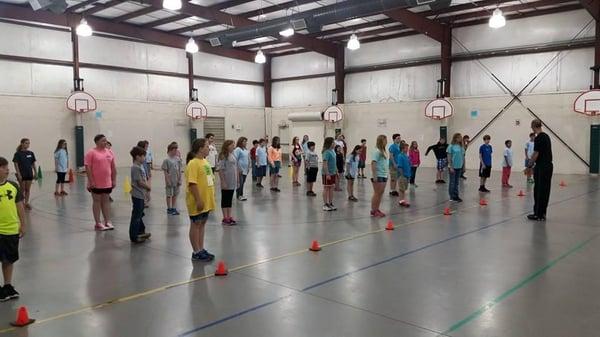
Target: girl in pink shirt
[[414, 157], [102, 176]]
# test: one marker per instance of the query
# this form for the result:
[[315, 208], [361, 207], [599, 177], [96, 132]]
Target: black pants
[[413, 173], [240, 190], [226, 198], [136, 226], [542, 174]]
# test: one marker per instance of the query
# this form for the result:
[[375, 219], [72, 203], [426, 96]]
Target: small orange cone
[[390, 225], [221, 269], [447, 211], [483, 202], [22, 318], [562, 183], [71, 176], [521, 194], [315, 246]]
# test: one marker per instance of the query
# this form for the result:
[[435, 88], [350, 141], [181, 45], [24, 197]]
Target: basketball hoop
[[333, 114], [81, 101], [196, 110], [588, 103], [439, 109]]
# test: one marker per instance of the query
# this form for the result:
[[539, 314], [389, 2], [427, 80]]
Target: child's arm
[[144, 184], [113, 174], [222, 176], [481, 159], [34, 168], [196, 193], [324, 168], [21, 212]]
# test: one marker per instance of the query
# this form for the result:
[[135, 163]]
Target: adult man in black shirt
[[541, 162], [439, 150]]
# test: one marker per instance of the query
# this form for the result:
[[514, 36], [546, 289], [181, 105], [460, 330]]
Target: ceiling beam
[[80, 5], [229, 4], [100, 7], [593, 7], [164, 21], [418, 22], [122, 29], [135, 14], [505, 10]]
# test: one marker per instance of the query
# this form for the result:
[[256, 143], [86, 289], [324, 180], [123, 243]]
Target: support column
[[75, 47], [268, 83], [446, 60], [596, 67], [340, 73], [77, 85], [595, 127], [193, 95]]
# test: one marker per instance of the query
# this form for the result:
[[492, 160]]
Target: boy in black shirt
[[541, 164], [439, 150]]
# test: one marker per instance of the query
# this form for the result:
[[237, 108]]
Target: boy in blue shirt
[[485, 162], [261, 162], [404, 172], [394, 153]]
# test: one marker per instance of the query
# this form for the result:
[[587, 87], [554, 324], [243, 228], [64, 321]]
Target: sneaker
[[174, 211], [332, 206], [442, 181], [64, 193], [9, 292], [438, 181], [3, 297], [403, 203], [232, 222], [326, 208], [100, 227], [394, 193], [277, 190], [352, 198], [109, 226], [203, 256], [139, 239], [463, 177], [242, 198], [373, 213], [532, 217], [379, 214], [260, 186], [169, 211], [225, 222], [145, 235], [56, 194]]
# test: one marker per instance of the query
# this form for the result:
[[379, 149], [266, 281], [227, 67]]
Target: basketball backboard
[[196, 110], [81, 101], [439, 109], [333, 114], [588, 103]]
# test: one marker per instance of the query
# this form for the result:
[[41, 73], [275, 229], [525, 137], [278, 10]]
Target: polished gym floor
[[483, 271]]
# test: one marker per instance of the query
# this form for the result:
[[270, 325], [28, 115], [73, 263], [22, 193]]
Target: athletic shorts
[[485, 172], [393, 172], [329, 180], [349, 177], [261, 171], [311, 174], [442, 164], [297, 163], [379, 180], [60, 177], [102, 190], [226, 198], [402, 184], [27, 177], [273, 170], [9, 248], [361, 164], [199, 217], [172, 191]]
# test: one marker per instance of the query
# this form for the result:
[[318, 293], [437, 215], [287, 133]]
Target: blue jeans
[[136, 226], [453, 186]]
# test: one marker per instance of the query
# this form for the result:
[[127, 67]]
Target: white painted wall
[[301, 64]]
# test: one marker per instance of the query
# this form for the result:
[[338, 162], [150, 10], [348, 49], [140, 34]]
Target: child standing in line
[[212, 151], [261, 162], [61, 166], [329, 173], [242, 157], [414, 157], [352, 163], [139, 189], [456, 161], [296, 158], [228, 175], [147, 167], [362, 159], [339, 161], [171, 167], [12, 228], [312, 168], [26, 171], [404, 174], [274, 156], [466, 142], [379, 170], [200, 197], [507, 164], [528, 155], [253, 158], [485, 165]]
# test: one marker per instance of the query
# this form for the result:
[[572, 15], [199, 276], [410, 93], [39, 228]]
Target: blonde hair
[[381, 143], [457, 139], [225, 149]]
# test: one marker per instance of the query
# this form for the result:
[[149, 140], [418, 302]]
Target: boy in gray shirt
[[139, 191], [172, 170]]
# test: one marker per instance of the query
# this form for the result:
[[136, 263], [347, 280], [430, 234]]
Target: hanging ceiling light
[[172, 4], [353, 43], [191, 47], [497, 20], [289, 31], [83, 29], [260, 57]]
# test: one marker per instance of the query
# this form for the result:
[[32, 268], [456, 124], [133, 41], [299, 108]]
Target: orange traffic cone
[[315, 246], [521, 194], [562, 183], [221, 269], [22, 318], [447, 211], [483, 202], [390, 225], [71, 176]]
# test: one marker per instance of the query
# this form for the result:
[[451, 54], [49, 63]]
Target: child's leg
[[508, 172], [26, 192], [325, 195], [309, 187], [330, 195], [197, 235], [7, 272], [137, 209], [96, 206], [105, 206], [62, 187], [402, 195]]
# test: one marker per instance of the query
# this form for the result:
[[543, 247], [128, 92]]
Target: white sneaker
[[332, 207], [326, 208], [242, 198]]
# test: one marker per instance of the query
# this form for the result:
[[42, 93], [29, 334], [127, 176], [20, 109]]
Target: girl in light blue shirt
[[61, 167]]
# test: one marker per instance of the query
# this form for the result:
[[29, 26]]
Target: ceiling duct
[[55, 6], [315, 19], [215, 41]]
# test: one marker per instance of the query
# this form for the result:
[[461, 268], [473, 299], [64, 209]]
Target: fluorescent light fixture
[[260, 57], [497, 20], [83, 29], [287, 32], [353, 43], [191, 47], [172, 4]]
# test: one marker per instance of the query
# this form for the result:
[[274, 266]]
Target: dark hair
[[137, 151], [294, 140], [275, 142], [395, 135], [240, 141], [108, 143], [98, 137], [403, 145], [254, 142], [327, 143], [536, 123], [466, 136], [363, 140], [189, 157], [355, 150], [486, 137], [60, 145], [172, 146], [336, 148], [196, 146], [507, 141], [143, 143], [3, 162], [532, 134], [262, 140], [20, 147], [208, 135], [310, 144]]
